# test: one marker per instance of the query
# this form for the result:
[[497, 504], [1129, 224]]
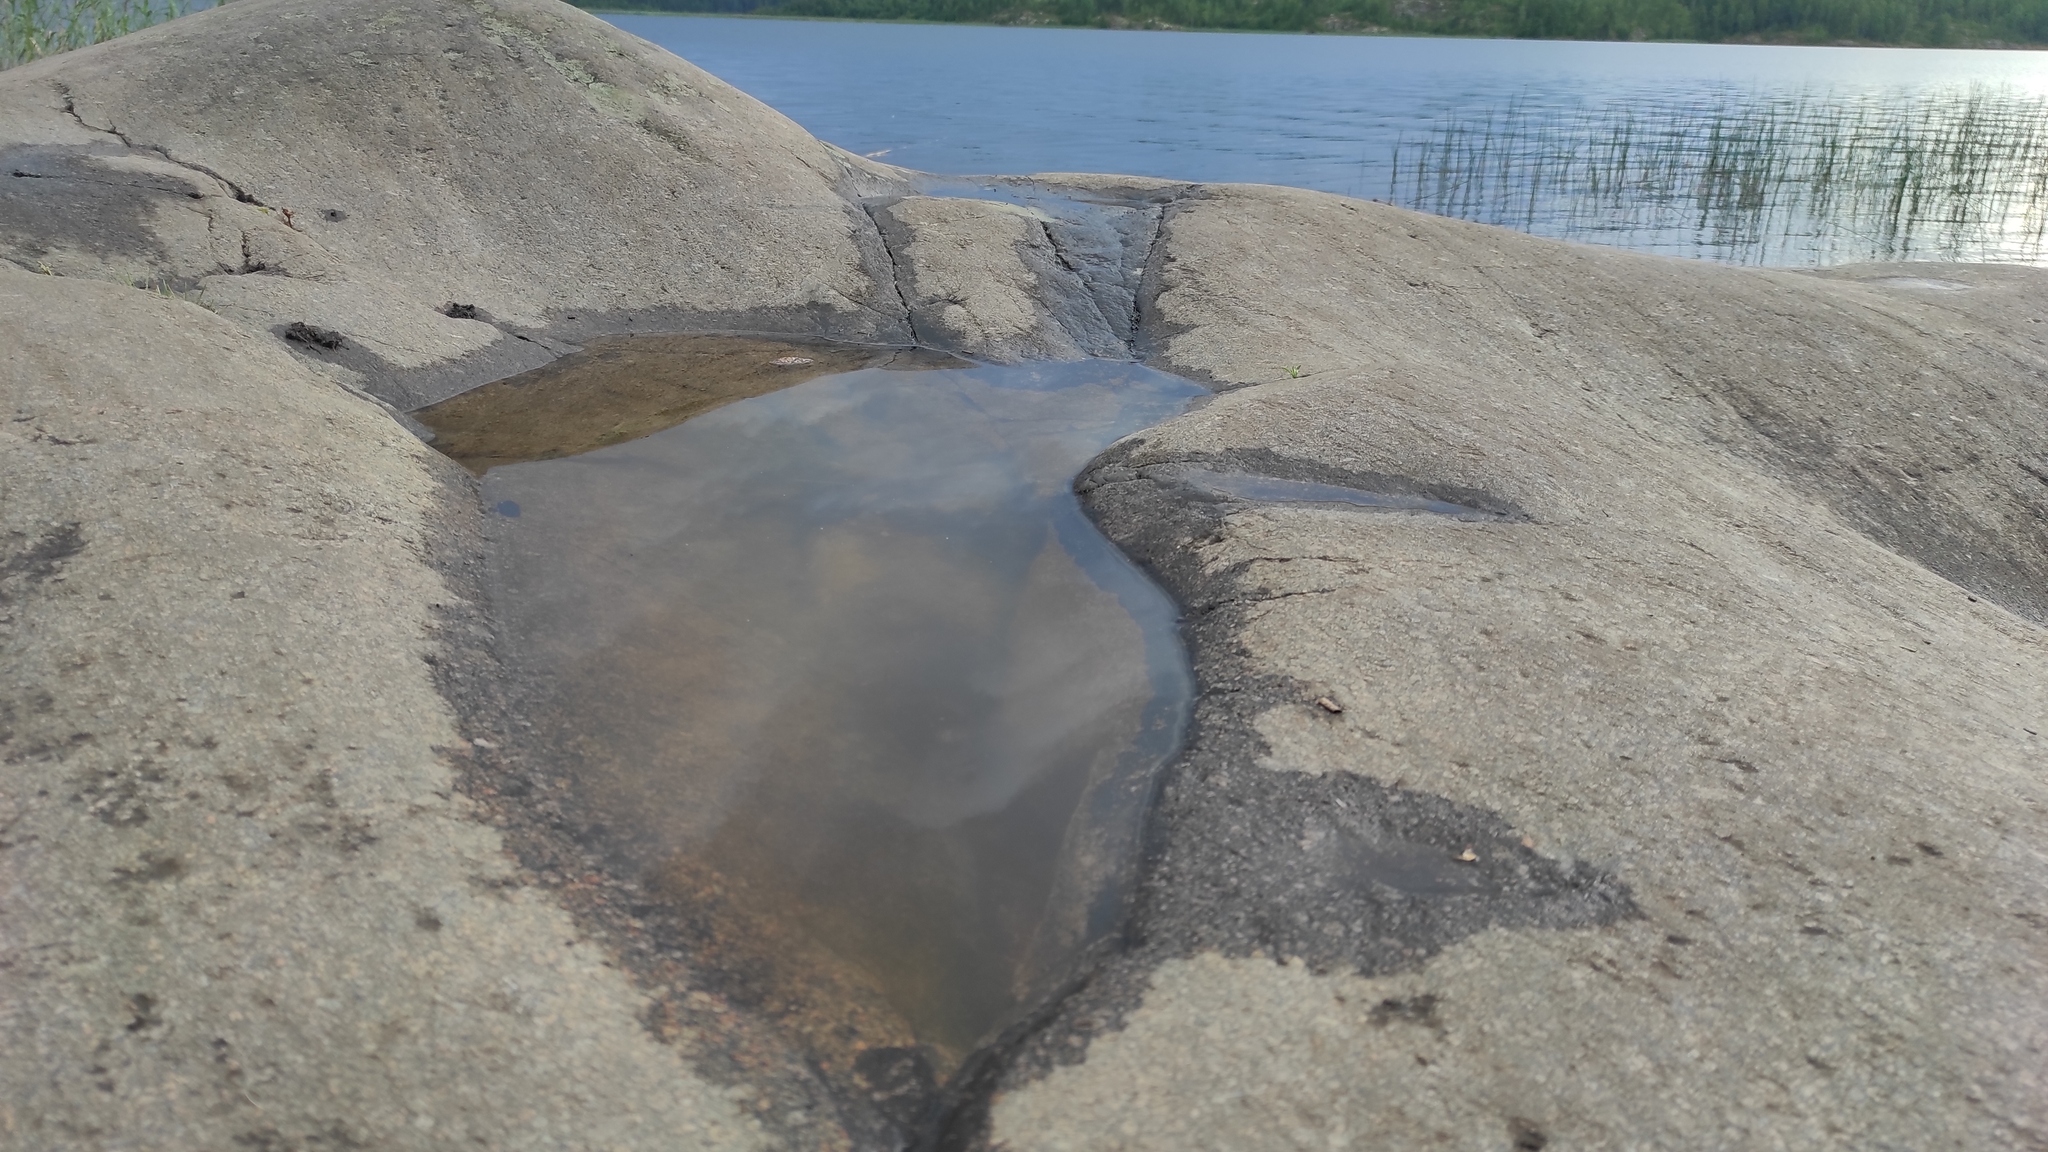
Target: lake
[[1746, 154]]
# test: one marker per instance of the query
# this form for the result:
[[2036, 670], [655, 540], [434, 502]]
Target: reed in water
[[1960, 175]]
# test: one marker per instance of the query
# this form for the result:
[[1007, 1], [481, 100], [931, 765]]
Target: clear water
[[1274, 490], [1749, 154], [849, 659]]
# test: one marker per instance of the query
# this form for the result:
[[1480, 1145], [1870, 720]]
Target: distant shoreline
[[1785, 39]]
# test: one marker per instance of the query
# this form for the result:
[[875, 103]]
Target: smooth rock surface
[[522, 157], [986, 275], [1712, 662], [362, 167], [1686, 790], [239, 903]]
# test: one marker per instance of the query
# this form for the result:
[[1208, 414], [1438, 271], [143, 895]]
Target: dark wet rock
[[313, 336]]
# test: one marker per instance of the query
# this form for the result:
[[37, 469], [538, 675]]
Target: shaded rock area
[[1686, 790]]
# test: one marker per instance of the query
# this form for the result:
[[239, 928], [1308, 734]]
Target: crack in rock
[[71, 109], [895, 273]]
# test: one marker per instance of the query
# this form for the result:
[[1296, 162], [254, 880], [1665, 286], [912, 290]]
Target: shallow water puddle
[[1927, 283], [844, 669], [1274, 490], [620, 388]]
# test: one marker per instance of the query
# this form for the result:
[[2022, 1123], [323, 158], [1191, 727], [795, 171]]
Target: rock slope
[[1752, 638], [454, 192], [1661, 766], [242, 904]]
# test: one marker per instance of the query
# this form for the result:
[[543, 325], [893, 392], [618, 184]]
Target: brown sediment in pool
[[620, 388], [745, 932]]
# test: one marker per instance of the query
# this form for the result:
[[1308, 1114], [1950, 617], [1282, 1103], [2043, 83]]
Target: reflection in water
[[848, 663], [1955, 174], [1748, 154], [1249, 486], [620, 388]]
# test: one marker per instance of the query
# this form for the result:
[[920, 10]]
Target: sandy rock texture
[[360, 166], [1744, 627], [447, 193], [1661, 766], [987, 275], [244, 901], [240, 905]]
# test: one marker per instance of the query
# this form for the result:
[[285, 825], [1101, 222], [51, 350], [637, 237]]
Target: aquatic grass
[[1954, 175], [31, 29], [1928, 23]]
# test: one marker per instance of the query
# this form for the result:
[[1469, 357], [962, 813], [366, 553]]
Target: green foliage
[[34, 28], [1928, 22]]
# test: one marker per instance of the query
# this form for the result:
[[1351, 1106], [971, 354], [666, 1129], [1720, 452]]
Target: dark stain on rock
[[57, 197], [1928, 490], [1416, 1010], [151, 868], [900, 1083], [114, 796], [145, 1016], [320, 788], [1340, 871], [350, 833], [311, 336], [353, 834], [31, 562], [44, 749], [36, 702], [245, 783], [1299, 479], [1347, 873], [273, 1139]]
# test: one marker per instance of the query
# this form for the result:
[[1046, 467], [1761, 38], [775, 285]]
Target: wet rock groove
[[895, 273]]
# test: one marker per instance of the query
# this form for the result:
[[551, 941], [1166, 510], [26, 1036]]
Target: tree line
[[1916, 22]]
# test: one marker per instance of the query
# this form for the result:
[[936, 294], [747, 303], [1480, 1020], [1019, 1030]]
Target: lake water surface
[[1747, 154]]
